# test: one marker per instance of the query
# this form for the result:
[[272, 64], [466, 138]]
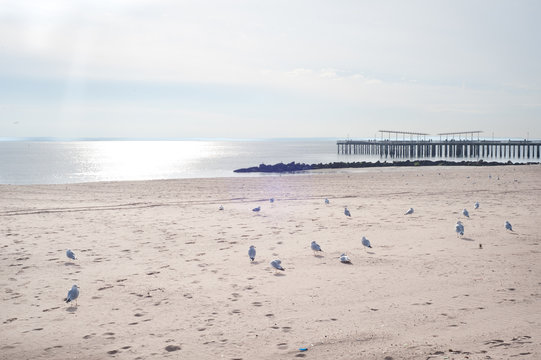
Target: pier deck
[[443, 148]]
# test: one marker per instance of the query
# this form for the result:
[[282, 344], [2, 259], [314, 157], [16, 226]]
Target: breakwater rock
[[295, 167], [277, 168]]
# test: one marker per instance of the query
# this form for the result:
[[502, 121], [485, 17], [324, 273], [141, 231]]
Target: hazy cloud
[[341, 67]]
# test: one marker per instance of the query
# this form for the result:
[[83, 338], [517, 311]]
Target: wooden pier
[[525, 149]]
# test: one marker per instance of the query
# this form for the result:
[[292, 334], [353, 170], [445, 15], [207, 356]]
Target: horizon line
[[73, 139]]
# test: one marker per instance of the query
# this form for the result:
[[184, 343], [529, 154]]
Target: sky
[[269, 69]]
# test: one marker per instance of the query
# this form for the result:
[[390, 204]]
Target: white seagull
[[256, 209], [73, 294], [345, 259], [251, 252], [221, 207], [465, 213], [508, 225], [459, 228], [366, 243], [409, 212], [70, 254], [277, 264], [346, 212], [476, 205], [315, 247]]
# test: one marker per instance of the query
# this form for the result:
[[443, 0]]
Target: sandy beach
[[164, 274]]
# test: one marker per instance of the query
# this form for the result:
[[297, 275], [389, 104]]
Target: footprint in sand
[[53, 347], [109, 335], [170, 348]]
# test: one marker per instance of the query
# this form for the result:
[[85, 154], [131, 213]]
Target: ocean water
[[56, 162]]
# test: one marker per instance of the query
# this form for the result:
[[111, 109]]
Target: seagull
[[465, 213], [251, 252], [256, 209], [410, 211], [366, 243], [73, 294], [346, 212], [327, 201], [315, 247], [459, 228], [70, 254], [277, 264], [508, 225], [345, 259], [221, 207], [271, 200], [476, 205]]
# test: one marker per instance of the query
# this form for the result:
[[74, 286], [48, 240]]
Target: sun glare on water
[[141, 160]]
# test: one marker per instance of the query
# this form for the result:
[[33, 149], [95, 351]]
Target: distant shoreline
[[295, 167]]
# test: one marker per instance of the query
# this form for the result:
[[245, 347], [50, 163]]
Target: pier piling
[[525, 149]]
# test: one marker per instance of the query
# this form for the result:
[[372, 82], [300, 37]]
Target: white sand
[[163, 273]]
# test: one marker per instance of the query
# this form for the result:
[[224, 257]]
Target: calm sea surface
[[52, 162]]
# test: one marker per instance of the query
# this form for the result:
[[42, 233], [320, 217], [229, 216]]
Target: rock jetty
[[296, 167]]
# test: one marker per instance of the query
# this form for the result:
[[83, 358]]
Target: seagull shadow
[[347, 263], [255, 262], [69, 263], [466, 239], [319, 256], [279, 274], [72, 309], [513, 233], [371, 252]]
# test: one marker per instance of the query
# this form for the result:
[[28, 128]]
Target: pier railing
[[442, 148]]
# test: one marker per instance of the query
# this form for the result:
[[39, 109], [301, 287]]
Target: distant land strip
[[294, 167]]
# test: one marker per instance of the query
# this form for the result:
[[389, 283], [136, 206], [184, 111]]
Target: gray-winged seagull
[[251, 252], [315, 247], [277, 264], [73, 294], [345, 259], [366, 243], [70, 254], [459, 228]]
